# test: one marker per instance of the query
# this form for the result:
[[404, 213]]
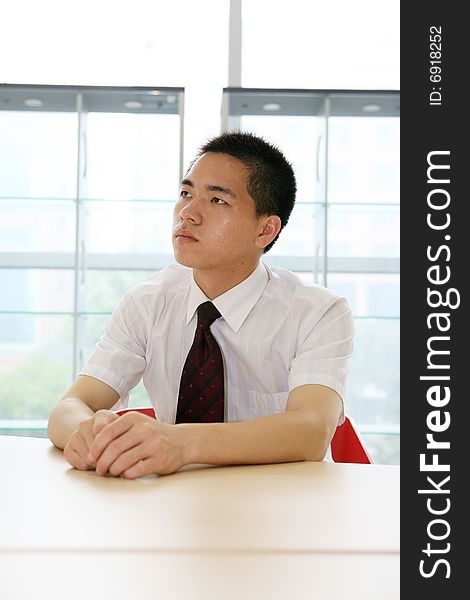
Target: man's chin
[[186, 261]]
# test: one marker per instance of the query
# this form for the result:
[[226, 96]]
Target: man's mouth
[[185, 235]]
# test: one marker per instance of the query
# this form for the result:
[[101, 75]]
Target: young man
[[242, 363]]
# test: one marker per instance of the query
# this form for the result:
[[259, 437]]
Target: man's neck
[[216, 283]]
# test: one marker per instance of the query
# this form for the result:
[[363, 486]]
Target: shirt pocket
[[262, 404]]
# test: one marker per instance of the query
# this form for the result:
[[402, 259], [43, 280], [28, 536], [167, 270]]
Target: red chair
[[147, 410], [347, 445]]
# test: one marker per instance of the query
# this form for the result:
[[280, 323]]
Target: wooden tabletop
[[303, 507], [198, 576]]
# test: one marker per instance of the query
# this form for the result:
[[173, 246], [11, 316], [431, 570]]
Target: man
[[242, 363]]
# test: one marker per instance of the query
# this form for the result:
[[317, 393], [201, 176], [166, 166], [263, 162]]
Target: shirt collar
[[235, 304]]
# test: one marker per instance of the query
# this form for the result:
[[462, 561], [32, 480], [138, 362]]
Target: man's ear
[[270, 227]]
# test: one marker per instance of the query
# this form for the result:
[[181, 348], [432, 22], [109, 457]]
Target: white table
[[264, 531]]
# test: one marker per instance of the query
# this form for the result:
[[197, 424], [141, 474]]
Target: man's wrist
[[191, 440]]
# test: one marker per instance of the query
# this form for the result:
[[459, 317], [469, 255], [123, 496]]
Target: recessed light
[[155, 93], [133, 104], [33, 102], [271, 106], [171, 99], [371, 107]]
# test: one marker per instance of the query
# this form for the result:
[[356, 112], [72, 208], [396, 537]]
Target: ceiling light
[[33, 102], [371, 107], [133, 104], [271, 106], [155, 93], [171, 99]]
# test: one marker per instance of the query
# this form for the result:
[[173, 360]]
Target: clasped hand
[[131, 446]]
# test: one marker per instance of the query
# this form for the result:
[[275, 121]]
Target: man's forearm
[[285, 437], [65, 418]]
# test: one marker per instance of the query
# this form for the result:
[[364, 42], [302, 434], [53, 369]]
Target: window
[[64, 271], [84, 215], [344, 230], [308, 44]]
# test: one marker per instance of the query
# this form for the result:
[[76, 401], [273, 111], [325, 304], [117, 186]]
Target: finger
[[140, 469], [80, 464], [79, 445], [74, 458], [103, 418], [128, 440], [85, 430], [107, 435], [128, 459]]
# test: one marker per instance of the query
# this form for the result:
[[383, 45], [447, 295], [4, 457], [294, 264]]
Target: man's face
[[214, 221]]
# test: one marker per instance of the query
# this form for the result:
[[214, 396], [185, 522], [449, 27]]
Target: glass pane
[[35, 290], [38, 154], [322, 45], [297, 138], [368, 294], [364, 159], [37, 226], [132, 156], [35, 364], [373, 388], [302, 236], [115, 43], [363, 231], [140, 227], [384, 449], [104, 289]]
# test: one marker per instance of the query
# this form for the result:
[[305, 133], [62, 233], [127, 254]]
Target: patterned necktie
[[201, 393]]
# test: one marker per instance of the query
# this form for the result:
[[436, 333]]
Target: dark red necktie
[[201, 394]]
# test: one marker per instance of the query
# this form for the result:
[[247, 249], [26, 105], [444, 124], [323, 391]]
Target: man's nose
[[191, 211]]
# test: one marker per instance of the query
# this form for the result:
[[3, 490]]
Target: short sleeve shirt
[[275, 333]]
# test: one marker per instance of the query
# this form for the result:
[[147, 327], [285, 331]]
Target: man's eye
[[218, 201], [184, 194]]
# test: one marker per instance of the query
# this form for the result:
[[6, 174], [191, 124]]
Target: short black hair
[[271, 179]]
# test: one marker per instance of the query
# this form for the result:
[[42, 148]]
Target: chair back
[[147, 410], [347, 445]]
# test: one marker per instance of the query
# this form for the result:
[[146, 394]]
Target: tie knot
[[206, 315]]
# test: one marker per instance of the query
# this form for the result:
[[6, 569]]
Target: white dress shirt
[[275, 333]]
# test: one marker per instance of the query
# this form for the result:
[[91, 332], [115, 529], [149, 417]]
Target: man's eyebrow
[[221, 189], [211, 188]]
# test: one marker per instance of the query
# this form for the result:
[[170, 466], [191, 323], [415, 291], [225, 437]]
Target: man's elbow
[[317, 438]]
